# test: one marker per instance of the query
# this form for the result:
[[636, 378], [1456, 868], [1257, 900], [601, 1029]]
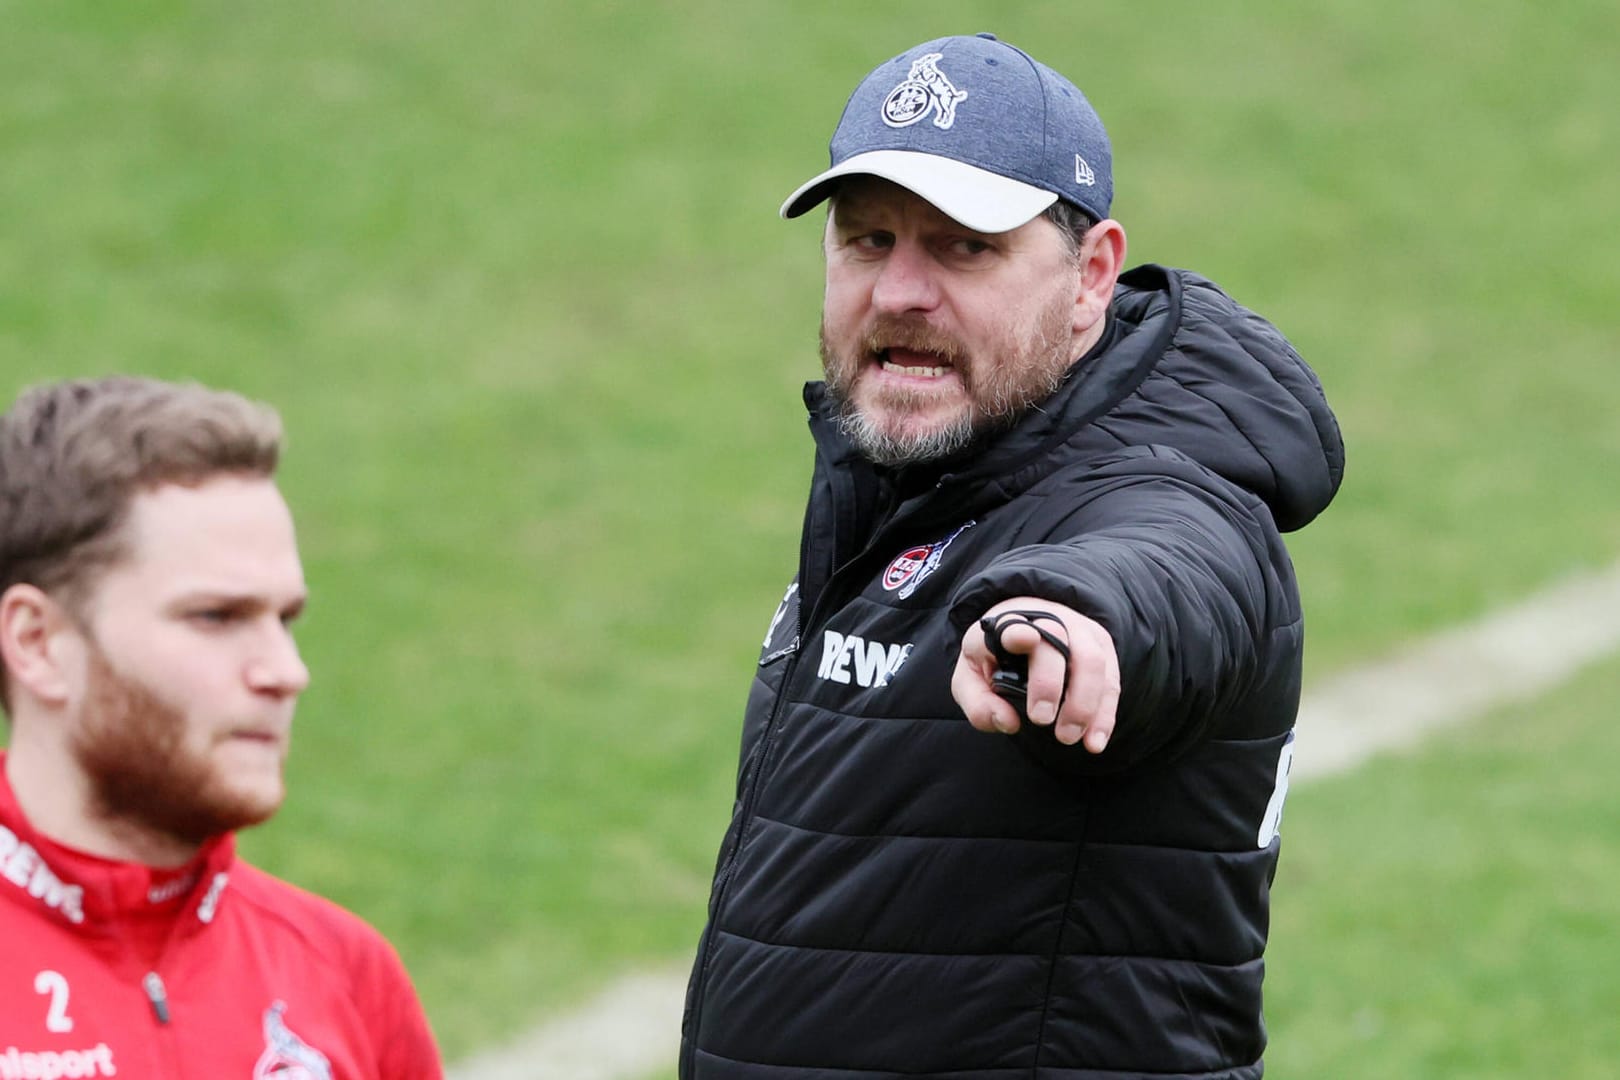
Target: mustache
[[891, 332]]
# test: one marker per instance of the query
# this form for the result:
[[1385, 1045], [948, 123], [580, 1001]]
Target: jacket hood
[[1221, 385]]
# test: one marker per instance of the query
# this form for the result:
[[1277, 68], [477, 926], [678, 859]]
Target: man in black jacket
[[1047, 503]]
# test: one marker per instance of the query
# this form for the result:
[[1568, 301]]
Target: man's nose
[[278, 668], [907, 280]]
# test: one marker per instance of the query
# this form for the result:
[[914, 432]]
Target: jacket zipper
[[745, 812], [158, 995], [766, 737], [761, 758], [805, 621], [166, 1048]]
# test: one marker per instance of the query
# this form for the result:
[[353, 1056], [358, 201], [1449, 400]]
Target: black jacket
[[900, 895]]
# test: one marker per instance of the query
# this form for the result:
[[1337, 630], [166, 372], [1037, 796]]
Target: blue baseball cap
[[989, 135]]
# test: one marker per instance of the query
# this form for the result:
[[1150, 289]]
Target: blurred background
[[514, 277]]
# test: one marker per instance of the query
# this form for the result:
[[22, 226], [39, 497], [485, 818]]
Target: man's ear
[[33, 627], [1102, 260]]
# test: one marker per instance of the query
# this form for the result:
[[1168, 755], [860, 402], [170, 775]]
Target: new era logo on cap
[[1006, 135]]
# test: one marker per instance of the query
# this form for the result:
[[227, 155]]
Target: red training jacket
[[214, 971]]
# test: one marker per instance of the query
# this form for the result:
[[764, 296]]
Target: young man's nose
[[278, 668]]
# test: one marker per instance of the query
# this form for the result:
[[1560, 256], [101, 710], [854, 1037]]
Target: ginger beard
[[891, 424], [132, 746]]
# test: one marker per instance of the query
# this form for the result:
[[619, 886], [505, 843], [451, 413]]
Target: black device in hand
[[1011, 677]]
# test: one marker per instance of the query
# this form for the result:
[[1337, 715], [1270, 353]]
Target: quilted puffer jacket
[[899, 895]]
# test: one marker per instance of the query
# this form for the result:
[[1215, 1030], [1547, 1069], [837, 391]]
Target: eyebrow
[[851, 218], [855, 217], [237, 600]]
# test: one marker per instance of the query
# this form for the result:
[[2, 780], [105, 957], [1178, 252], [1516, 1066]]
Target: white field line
[[1512, 655], [628, 1030], [632, 1028]]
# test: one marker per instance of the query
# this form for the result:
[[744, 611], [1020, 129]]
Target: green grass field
[[513, 275], [1453, 914]]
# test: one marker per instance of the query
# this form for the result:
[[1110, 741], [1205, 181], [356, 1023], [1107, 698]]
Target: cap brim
[[981, 200]]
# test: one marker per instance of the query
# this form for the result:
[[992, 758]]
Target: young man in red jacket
[[149, 577]]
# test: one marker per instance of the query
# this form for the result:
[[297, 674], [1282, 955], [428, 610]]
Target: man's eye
[[213, 616], [874, 241], [968, 245]]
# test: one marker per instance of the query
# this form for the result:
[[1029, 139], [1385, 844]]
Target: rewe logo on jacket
[[851, 658], [21, 865]]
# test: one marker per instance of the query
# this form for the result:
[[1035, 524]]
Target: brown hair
[[1072, 222], [74, 454]]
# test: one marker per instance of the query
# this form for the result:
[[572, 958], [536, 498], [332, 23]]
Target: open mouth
[[913, 364]]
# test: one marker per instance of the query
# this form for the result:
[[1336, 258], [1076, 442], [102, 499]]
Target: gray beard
[[894, 451], [998, 398]]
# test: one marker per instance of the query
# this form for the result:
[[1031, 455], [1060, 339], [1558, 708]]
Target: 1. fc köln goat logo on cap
[[912, 565], [925, 90]]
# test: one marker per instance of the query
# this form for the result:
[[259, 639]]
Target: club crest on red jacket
[[286, 1056]]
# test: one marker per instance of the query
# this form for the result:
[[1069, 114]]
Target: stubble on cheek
[[132, 747]]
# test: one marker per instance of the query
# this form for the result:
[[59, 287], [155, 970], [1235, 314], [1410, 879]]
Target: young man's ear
[[33, 629]]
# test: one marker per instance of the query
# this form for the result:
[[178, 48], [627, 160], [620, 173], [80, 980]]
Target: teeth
[[931, 372]]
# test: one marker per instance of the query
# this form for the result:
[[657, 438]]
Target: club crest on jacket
[[286, 1056], [912, 566]]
